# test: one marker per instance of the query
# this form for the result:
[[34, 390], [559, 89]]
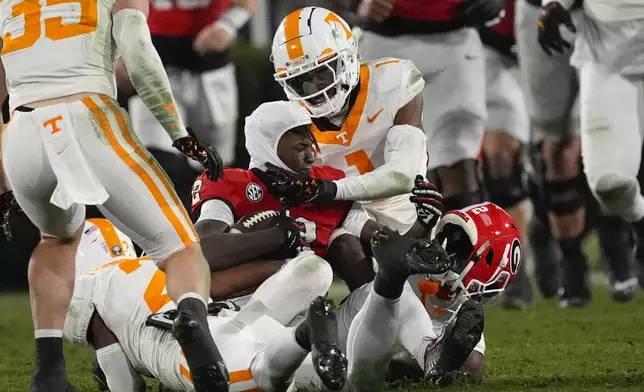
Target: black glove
[[293, 240], [297, 191], [7, 203], [428, 202], [479, 13], [552, 16], [206, 155]]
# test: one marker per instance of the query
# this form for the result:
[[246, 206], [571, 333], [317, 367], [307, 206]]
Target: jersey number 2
[[54, 27]]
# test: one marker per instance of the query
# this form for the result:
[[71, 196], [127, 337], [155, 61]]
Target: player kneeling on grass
[[122, 310]]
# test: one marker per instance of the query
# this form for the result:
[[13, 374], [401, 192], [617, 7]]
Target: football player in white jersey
[[123, 311], [609, 56], [367, 117], [68, 145]]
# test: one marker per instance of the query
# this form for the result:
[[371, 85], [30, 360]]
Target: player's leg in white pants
[[290, 291], [611, 124], [51, 267]]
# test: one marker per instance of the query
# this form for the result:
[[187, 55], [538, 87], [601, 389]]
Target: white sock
[[275, 366], [417, 329], [48, 333], [372, 338]]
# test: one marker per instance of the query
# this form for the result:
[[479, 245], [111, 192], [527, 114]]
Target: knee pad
[[616, 193], [565, 197], [506, 191]]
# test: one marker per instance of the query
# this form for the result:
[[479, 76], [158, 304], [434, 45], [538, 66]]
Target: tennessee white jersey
[[54, 48], [358, 147], [125, 292]]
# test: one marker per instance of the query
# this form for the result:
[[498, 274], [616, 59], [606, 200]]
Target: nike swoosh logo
[[375, 116]]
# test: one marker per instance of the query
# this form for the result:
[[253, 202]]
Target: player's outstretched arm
[[405, 154], [132, 36]]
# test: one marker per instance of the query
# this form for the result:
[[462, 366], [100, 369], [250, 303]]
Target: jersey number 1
[[54, 27]]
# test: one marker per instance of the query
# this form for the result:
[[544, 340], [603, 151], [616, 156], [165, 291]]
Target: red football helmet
[[484, 241]]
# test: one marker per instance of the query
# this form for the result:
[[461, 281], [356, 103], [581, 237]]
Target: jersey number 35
[[54, 28]]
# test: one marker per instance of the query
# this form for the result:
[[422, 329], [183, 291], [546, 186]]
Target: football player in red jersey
[[193, 38]]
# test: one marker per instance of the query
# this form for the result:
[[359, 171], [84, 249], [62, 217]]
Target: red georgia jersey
[[181, 18], [244, 193]]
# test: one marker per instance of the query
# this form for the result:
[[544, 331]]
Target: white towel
[[77, 183]]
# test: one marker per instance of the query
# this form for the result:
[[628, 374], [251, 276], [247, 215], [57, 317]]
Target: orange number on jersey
[[31, 12], [54, 27], [153, 296], [360, 160]]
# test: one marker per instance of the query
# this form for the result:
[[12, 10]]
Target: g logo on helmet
[[515, 256], [254, 192]]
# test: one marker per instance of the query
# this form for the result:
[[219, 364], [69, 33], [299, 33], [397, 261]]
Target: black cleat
[[575, 291], [446, 356], [402, 257], [207, 369], [329, 361], [51, 380], [617, 243], [623, 291]]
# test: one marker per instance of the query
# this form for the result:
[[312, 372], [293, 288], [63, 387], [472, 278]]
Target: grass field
[[541, 349]]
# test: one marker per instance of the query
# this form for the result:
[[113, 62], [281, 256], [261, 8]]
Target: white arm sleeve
[[132, 36], [566, 3], [405, 154], [121, 376], [215, 209]]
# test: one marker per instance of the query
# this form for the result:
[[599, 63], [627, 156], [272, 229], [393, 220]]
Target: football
[[256, 221]]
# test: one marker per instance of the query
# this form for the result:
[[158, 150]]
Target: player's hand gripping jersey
[[243, 192], [56, 48]]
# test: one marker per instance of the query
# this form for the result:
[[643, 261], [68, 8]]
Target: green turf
[[544, 348]]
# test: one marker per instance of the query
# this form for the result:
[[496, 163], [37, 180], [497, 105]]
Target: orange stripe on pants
[[161, 201], [146, 157]]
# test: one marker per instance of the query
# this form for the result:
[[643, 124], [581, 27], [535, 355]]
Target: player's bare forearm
[[242, 279], [224, 250]]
